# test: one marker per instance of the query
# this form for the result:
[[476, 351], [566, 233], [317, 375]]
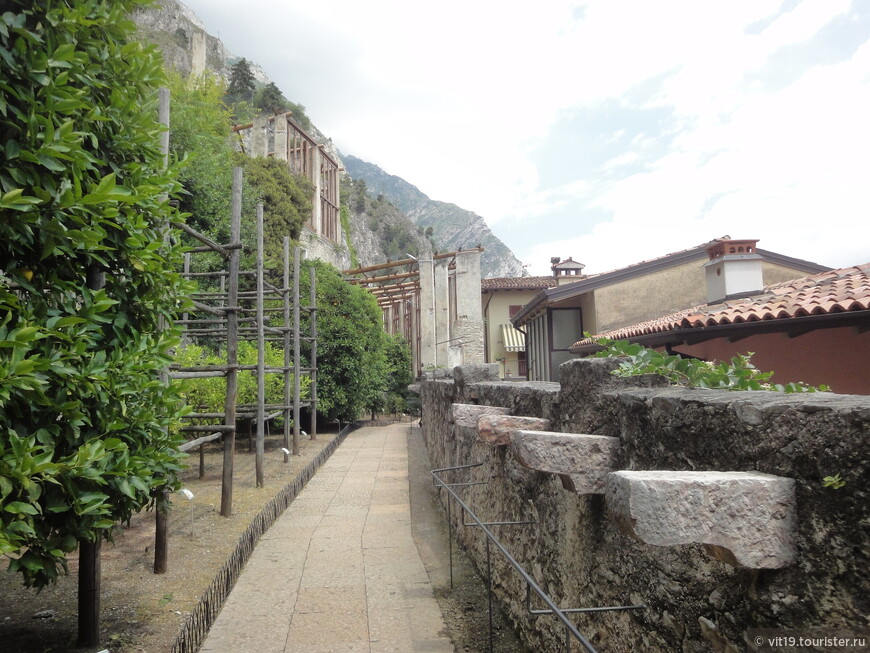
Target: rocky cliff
[[452, 226], [393, 217]]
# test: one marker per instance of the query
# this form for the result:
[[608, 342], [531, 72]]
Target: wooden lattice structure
[[401, 293], [288, 141], [228, 315]]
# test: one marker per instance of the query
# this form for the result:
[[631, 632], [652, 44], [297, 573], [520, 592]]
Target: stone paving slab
[[338, 572]]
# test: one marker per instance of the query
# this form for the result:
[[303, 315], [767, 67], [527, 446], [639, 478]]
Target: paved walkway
[[339, 571]]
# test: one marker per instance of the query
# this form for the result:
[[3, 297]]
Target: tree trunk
[[90, 574]]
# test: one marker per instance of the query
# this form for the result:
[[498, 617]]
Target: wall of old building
[[581, 555], [654, 294], [665, 291]]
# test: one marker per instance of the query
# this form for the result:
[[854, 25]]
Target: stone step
[[582, 461], [498, 430], [466, 415], [746, 519]]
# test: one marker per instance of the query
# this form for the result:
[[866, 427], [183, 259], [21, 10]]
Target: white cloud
[[455, 97]]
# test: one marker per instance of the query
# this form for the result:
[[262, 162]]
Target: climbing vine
[[738, 373]]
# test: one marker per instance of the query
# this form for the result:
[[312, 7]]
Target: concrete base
[[746, 519]]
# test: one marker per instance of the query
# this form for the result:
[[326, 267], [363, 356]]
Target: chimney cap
[[722, 247]]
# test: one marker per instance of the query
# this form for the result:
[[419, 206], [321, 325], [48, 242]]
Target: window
[[567, 327]]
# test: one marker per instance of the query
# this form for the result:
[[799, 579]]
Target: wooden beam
[[391, 277]]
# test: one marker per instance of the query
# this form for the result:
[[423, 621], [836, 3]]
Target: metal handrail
[[552, 608]]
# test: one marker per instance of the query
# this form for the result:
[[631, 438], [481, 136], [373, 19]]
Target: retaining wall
[[584, 556]]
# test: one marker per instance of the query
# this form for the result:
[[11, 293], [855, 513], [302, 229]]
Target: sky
[[610, 131]]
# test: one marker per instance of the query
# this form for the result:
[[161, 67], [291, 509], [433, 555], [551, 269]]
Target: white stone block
[[746, 519], [583, 461], [467, 414]]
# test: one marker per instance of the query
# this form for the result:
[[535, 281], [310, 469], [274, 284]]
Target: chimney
[[733, 271], [567, 271]]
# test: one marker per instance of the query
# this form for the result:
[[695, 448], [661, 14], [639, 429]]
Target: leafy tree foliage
[[200, 129], [286, 202], [241, 86], [351, 355], [208, 394], [271, 100], [393, 397], [84, 438]]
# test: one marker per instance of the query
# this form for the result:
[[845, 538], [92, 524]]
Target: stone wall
[[584, 556]]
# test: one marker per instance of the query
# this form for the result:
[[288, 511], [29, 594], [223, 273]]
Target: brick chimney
[[733, 271], [567, 271]]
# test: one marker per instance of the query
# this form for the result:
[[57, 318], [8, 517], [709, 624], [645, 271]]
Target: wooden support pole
[[232, 347], [297, 376], [90, 573], [161, 511], [261, 355], [288, 415], [161, 536], [313, 321]]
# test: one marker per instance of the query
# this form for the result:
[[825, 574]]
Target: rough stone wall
[[325, 250], [579, 555]]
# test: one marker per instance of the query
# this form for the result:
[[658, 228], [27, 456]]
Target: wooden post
[[287, 409], [297, 368], [90, 574], [232, 347], [161, 510], [313, 363], [161, 534], [261, 354]]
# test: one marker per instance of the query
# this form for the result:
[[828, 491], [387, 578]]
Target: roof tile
[[834, 291], [517, 283]]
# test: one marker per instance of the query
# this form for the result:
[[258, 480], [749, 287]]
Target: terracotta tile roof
[[517, 283], [834, 291], [592, 281]]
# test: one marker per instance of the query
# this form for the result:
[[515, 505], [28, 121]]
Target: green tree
[[398, 376], [200, 134], [351, 357], [286, 202], [271, 100], [86, 277], [241, 85]]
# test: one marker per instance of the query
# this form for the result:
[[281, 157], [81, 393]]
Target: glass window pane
[[567, 327]]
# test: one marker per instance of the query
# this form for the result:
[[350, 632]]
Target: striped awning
[[513, 340]]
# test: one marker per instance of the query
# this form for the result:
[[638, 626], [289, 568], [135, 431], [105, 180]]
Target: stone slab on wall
[[498, 430], [582, 461], [578, 552], [746, 519]]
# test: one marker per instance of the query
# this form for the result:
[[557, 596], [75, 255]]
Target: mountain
[[393, 217], [453, 227]]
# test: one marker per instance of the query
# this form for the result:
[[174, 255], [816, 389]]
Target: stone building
[[283, 138], [433, 303]]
